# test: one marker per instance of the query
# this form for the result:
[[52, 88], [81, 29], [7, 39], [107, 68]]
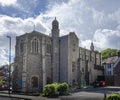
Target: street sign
[[20, 83]]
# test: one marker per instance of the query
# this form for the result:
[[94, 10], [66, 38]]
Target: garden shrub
[[50, 90], [113, 96], [55, 89], [62, 88]]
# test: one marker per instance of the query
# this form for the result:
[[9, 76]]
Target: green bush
[[55, 89], [62, 88], [50, 90], [113, 96], [2, 81]]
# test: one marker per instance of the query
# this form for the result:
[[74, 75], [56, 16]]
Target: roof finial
[[55, 18], [92, 46]]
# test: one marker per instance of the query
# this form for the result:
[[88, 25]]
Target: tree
[[1, 81], [108, 53]]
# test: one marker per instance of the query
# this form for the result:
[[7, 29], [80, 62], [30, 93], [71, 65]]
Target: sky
[[96, 21]]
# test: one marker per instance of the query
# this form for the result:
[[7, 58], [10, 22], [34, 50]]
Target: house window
[[35, 45], [34, 82], [73, 82], [87, 57], [21, 46], [109, 73], [73, 46], [109, 66], [73, 66], [83, 69], [48, 80], [48, 48]]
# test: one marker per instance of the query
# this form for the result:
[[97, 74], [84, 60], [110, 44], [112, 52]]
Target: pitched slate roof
[[116, 63], [110, 60]]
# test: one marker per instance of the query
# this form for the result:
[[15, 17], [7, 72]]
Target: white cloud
[[107, 39], [18, 26], [99, 17], [86, 44], [89, 23], [15, 27], [8, 2], [3, 58]]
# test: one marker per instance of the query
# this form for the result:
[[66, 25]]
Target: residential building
[[117, 71], [109, 65]]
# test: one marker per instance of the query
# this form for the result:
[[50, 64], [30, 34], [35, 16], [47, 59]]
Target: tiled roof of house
[[117, 62], [110, 60]]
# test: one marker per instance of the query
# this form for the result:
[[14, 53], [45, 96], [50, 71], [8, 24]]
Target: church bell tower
[[55, 50], [55, 28]]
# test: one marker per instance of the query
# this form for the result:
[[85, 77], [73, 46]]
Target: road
[[5, 98], [80, 94], [91, 94]]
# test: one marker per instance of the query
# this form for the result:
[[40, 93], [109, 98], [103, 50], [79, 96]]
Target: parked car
[[95, 84], [99, 84], [102, 84]]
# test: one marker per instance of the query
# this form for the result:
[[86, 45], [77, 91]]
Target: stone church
[[41, 59]]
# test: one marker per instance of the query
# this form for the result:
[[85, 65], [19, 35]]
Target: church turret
[[92, 46], [55, 28], [55, 50]]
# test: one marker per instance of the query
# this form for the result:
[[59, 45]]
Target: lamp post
[[9, 62]]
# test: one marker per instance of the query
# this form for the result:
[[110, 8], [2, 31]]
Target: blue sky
[[24, 8], [91, 20]]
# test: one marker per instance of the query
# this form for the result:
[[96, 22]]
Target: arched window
[[21, 46], [34, 82], [73, 66], [48, 48], [35, 45], [49, 80]]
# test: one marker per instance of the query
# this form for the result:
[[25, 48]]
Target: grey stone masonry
[[41, 59], [55, 51]]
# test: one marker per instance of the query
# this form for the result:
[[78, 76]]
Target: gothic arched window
[[34, 82], [21, 46], [48, 48], [73, 66], [35, 45], [55, 26]]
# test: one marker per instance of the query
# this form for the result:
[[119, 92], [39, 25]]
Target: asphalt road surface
[[5, 98], [80, 94], [91, 94]]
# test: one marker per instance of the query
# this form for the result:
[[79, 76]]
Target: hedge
[[55, 89], [62, 88], [113, 96]]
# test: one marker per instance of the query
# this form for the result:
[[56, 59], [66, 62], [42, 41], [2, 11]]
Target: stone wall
[[56, 60], [29, 64], [88, 59], [18, 69], [64, 59], [73, 55]]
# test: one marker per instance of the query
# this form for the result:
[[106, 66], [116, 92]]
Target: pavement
[[80, 94]]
